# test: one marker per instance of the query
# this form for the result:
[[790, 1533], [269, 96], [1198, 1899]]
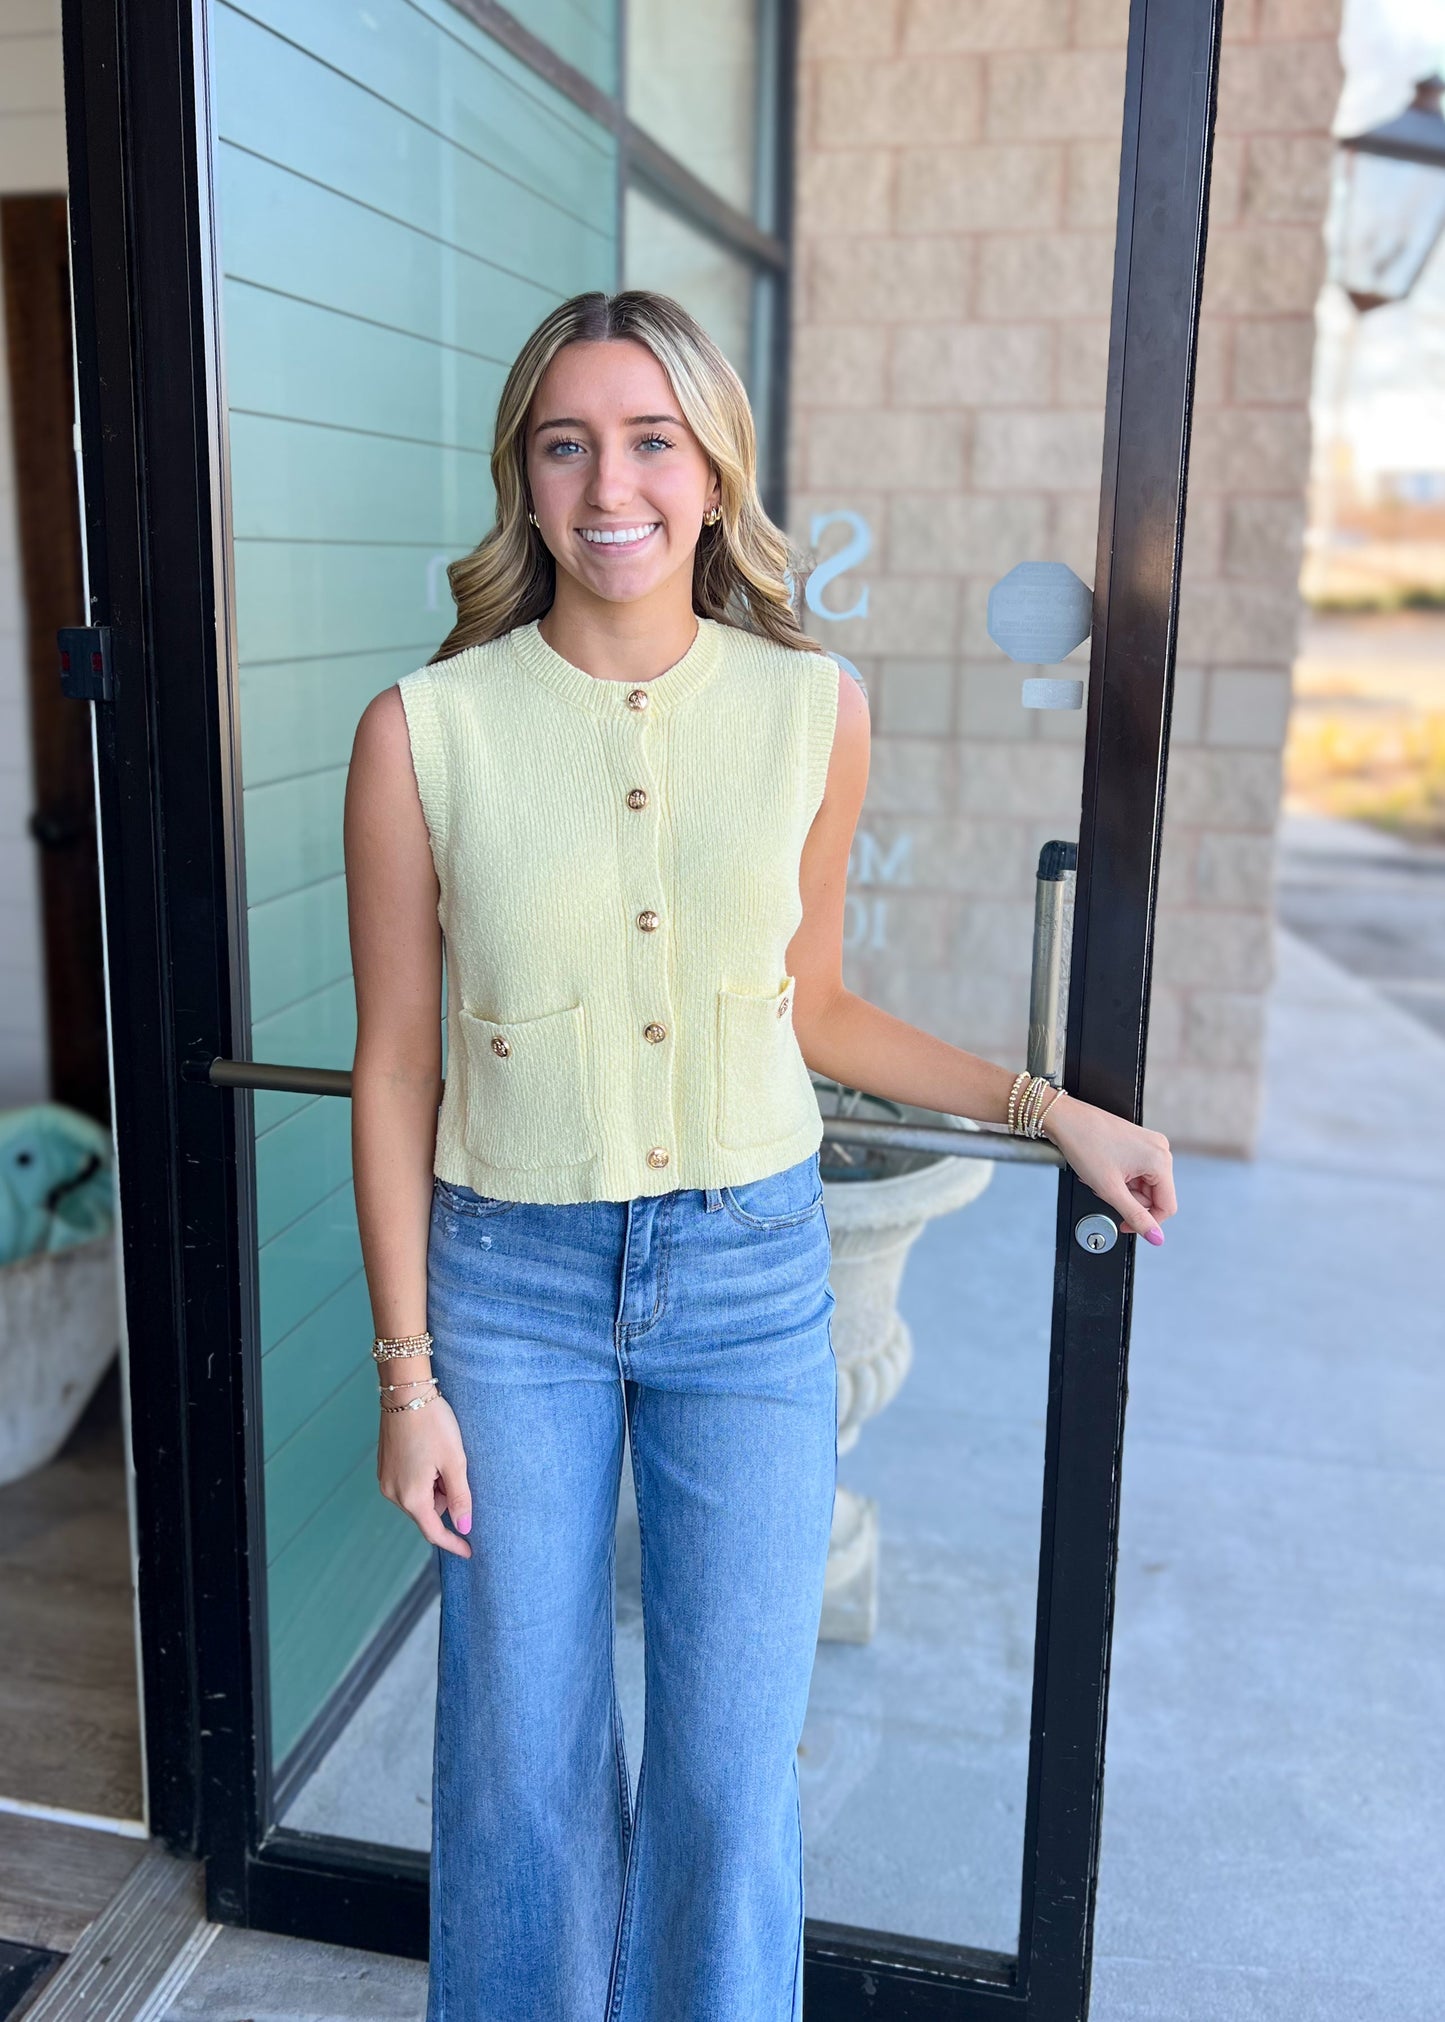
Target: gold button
[[501, 1047], [637, 797], [657, 1156], [654, 1032], [648, 922], [638, 698], [782, 1006]]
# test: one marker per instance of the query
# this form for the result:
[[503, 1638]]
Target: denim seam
[[619, 1747], [787, 1221], [662, 1233], [798, 1955], [455, 1204], [437, 1947], [621, 1944]]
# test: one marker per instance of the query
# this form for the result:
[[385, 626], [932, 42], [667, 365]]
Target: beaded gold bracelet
[[1030, 1099], [1045, 1105], [1020, 1082], [390, 1348]]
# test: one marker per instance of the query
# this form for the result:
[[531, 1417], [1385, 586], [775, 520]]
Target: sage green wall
[[399, 201]]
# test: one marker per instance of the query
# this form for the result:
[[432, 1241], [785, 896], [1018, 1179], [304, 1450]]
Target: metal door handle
[[1049, 976], [962, 1139]]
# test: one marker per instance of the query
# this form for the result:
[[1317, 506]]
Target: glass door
[[960, 278]]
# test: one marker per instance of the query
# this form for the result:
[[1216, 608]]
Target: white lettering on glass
[[865, 921], [436, 577], [853, 551], [865, 913], [874, 868]]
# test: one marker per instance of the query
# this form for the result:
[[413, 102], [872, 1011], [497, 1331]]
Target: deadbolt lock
[[1096, 1234]]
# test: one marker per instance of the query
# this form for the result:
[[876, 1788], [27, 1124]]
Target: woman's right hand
[[422, 1468]]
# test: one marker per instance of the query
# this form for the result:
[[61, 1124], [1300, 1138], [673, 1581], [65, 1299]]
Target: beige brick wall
[[957, 165]]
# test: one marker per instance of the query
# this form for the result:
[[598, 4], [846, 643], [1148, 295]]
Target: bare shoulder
[[847, 779], [854, 721], [381, 746], [852, 727], [384, 717]]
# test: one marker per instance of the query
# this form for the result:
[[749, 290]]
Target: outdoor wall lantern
[[1392, 209]]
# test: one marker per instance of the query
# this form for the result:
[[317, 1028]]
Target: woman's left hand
[[1129, 1167]]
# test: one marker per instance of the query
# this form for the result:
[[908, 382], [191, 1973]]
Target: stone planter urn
[[878, 1201], [59, 1297], [59, 1329]]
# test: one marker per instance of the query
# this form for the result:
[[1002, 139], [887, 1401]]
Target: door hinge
[[86, 673]]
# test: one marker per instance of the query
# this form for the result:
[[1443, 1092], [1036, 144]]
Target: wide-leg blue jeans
[[704, 1316]]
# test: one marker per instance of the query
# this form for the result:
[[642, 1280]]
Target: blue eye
[[563, 442], [656, 442]]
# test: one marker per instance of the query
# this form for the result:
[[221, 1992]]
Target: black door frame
[[154, 516]]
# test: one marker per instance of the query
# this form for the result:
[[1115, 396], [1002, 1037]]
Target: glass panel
[[582, 32], [399, 202], [661, 250], [692, 83], [954, 252]]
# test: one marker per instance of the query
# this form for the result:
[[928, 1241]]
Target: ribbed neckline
[[609, 698]]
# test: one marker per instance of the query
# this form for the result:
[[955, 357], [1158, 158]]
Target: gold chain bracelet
[[416, 1403]]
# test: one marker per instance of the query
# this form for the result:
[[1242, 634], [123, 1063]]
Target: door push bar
[[959, 1138], [1049, 976], [962, 1139]]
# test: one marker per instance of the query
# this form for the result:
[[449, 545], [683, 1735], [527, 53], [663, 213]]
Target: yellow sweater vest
[[619, 884]]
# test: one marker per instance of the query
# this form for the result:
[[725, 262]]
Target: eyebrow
[[632, 421]]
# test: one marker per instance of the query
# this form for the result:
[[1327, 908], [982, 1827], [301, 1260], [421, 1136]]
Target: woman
[[624, 792]]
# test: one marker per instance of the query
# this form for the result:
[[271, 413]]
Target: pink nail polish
[[1154, 1236], [464, 1524]]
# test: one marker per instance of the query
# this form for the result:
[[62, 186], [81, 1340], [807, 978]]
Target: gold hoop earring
[[711, 517]]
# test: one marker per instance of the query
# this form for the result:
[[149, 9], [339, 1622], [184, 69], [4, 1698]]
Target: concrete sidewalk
[[1272, 1849], [1272, 1829], [1373, 903]]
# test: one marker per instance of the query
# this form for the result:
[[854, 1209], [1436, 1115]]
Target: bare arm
[[848, 1040], [396, 954]]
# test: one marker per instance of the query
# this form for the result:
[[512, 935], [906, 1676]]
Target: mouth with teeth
[[619, 537]]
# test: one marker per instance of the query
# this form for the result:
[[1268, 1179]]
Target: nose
[[611, 487]]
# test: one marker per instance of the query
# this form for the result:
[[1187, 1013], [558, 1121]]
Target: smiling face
[[619, 482]]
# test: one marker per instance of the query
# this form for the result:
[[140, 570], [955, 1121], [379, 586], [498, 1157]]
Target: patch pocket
[[763, 1093], [781, 1199], [526, 1095]]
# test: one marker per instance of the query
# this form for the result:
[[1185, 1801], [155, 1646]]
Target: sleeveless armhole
[[822, 722], [422, 709]]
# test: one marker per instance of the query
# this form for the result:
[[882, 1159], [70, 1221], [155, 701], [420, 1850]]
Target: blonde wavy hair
[[741, 565]]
